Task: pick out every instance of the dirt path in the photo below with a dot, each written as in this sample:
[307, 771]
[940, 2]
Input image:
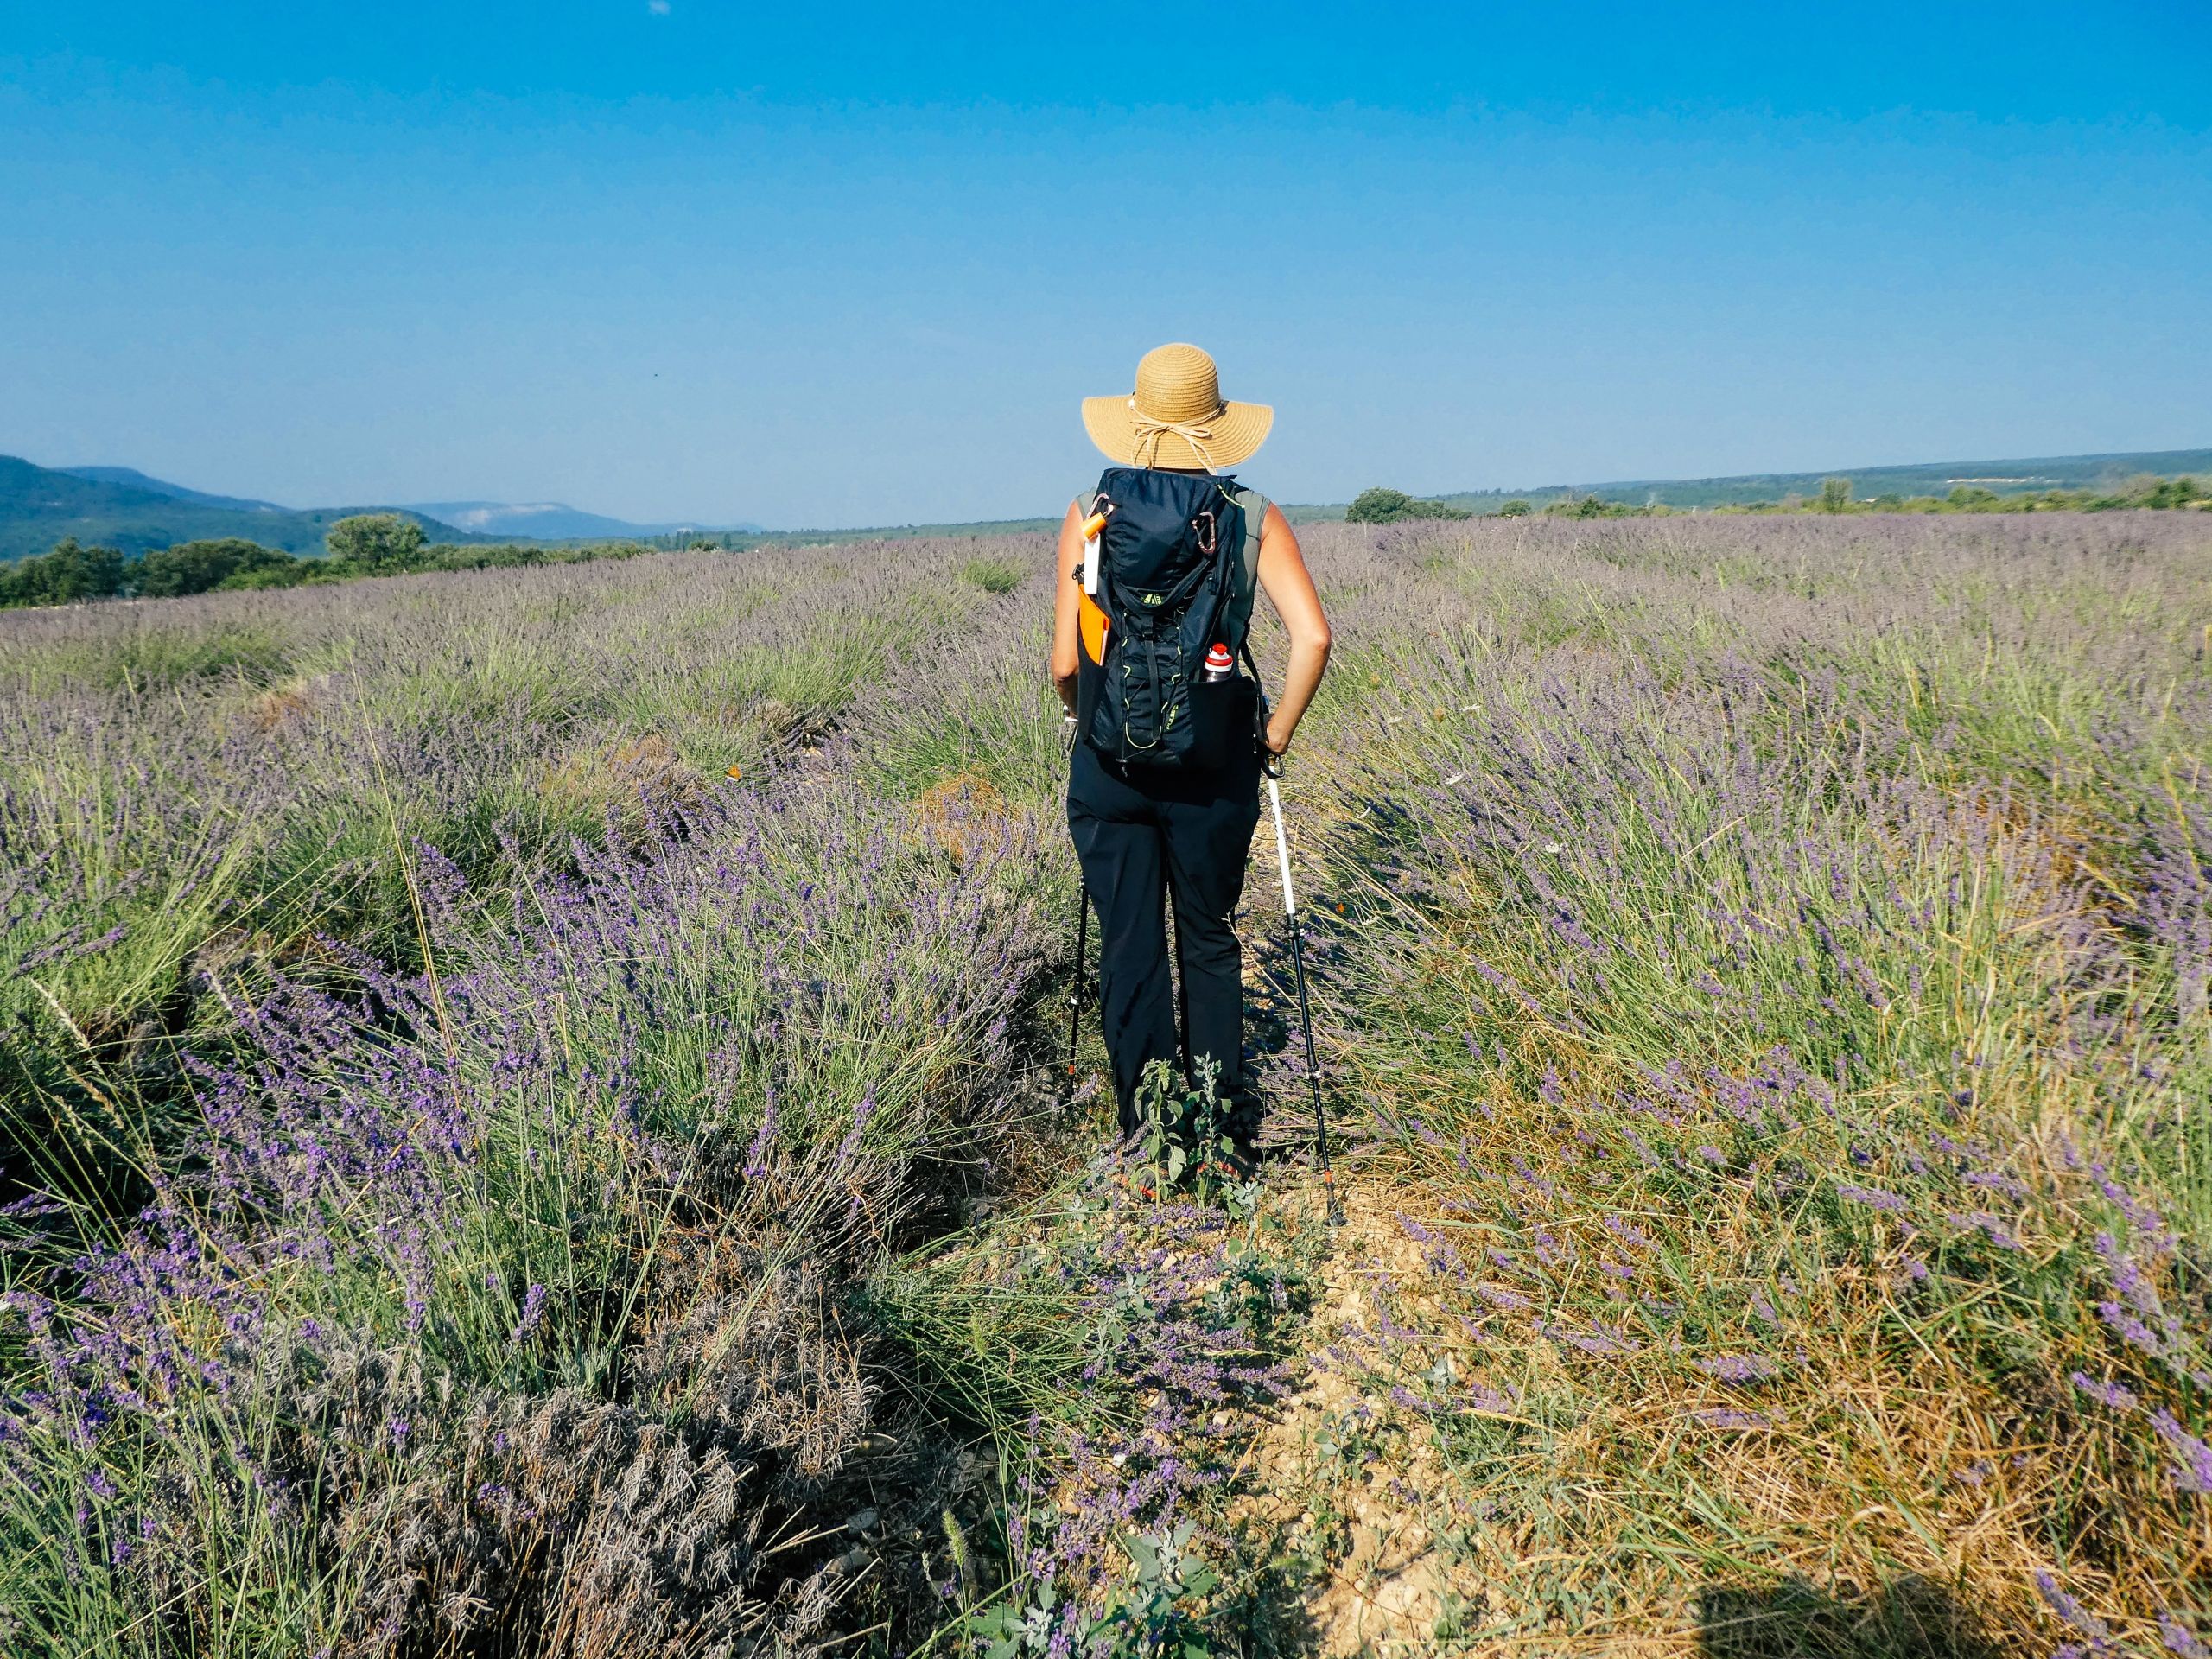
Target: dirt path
[1317, 1484]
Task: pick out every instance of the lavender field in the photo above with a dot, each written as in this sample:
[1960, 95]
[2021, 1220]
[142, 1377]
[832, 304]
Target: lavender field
[529, 1118]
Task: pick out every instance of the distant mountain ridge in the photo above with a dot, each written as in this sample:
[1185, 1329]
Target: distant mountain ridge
[551, 521]
[122, 507]
[132, 478]
[40, 506]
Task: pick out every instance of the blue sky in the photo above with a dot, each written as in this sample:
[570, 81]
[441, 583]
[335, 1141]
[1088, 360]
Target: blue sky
[854, 265]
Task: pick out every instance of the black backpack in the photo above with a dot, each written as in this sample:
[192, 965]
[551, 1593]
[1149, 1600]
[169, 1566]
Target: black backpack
[1174, 581]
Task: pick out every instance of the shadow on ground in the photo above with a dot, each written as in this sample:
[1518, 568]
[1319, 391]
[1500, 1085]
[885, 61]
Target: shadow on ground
[1911, 1618]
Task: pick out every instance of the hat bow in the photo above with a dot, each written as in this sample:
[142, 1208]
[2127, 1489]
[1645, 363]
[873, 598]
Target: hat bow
[1148, 429]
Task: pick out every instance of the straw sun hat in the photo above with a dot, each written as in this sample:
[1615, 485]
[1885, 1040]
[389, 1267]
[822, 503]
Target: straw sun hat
[1176, 416]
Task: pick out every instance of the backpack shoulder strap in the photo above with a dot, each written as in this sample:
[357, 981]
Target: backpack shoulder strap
[1255, 518]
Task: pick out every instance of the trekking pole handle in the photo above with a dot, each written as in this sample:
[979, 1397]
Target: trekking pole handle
[1283, 846]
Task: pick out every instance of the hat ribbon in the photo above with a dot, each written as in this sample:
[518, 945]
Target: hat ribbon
[1149, 431]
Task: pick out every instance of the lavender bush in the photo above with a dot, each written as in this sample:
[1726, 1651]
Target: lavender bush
[1787, 1006]
[205, 786]
[610, 1157]
[481, 1177]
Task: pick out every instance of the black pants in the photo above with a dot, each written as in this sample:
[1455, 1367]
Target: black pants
[1143, 837]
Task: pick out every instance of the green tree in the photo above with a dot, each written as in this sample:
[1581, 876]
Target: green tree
[1589, 506]
[1516, 508]
[376, 544]
[69, 573]
[1377, 506]
[1835, 494]
[1381, 506]
[197, 567]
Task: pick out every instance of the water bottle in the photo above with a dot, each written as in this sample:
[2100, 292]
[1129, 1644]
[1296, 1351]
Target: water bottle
[1219, 665]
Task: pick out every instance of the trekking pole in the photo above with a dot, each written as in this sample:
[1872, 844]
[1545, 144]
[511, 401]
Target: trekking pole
[1075, 989]
[1082, 943]
[1274, 769]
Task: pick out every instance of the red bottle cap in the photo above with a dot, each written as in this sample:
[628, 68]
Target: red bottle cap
[1217, 658]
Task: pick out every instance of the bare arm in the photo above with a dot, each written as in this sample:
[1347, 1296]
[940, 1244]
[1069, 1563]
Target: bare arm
[1289, 588]
[1283, 577]
[1065, 617]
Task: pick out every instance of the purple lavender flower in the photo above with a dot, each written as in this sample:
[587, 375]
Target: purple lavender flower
[1731, 1417]
[863, 1114]
[1872, 1197]
[2128, 1278]
[533, 1310]
[1482, 1398]
[2069, 1609]
[2131, 1330]
[1736, 1368]
[2105, 1394]
[2180, 1639]
[1989, 1226]
[2193, 1473]
[1601, 1340]
[1628, 1232]
[2141, 1216]
[756, 1157]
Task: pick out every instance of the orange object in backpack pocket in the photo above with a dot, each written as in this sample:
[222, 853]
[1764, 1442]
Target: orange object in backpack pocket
[1093, 627]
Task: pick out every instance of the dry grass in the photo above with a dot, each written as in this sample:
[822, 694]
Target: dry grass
[963, 815]
[1611, 830]
[646, 774]
[1558, 1524]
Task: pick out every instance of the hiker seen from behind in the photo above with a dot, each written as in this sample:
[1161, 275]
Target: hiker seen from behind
[1159, 568]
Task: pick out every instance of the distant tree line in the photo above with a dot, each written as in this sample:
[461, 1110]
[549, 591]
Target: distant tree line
[367, 545]
[1383, 506]
[2148, 491]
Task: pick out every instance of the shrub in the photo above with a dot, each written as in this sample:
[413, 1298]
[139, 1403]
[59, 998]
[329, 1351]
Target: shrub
[199, 567]
[992, 575]
[1588, 506]
[376, 544]
[1381, 506]
[68, 573]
